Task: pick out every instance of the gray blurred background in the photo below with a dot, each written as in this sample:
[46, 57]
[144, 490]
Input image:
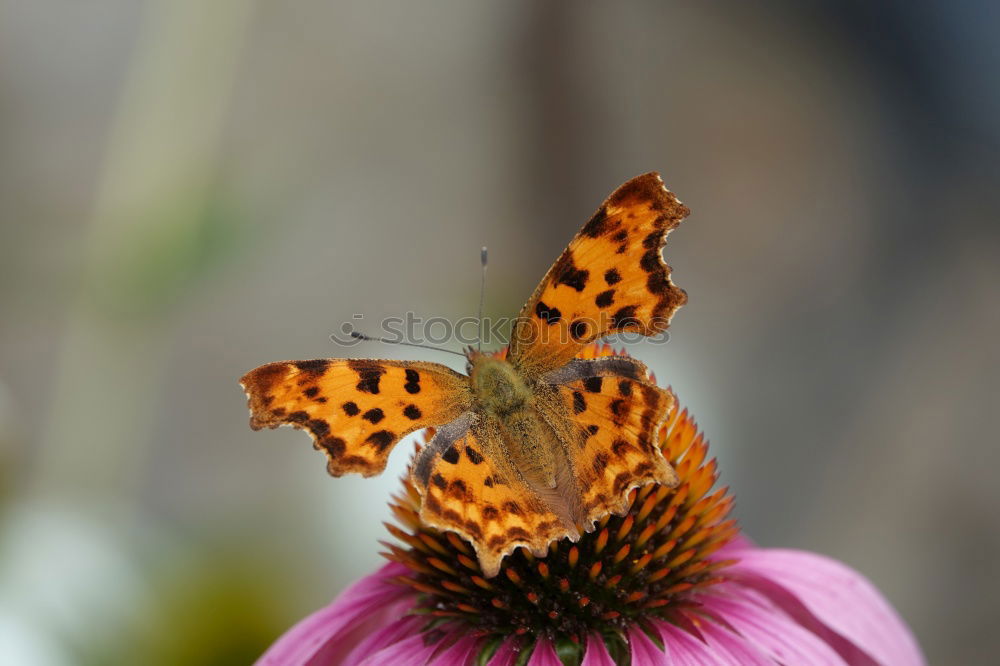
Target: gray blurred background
[190, 189]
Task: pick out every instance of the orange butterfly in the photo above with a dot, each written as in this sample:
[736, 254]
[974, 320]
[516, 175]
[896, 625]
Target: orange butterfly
[532, 447]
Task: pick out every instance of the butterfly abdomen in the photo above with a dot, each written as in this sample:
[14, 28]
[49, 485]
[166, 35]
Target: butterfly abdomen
[530, 444]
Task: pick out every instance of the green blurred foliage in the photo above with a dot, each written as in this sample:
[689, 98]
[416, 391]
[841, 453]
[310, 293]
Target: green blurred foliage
[167, 256]
[218, 607]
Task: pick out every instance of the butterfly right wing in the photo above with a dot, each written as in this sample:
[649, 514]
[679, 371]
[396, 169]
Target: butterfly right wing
[615, 418]
[355, 409]
[610, 279]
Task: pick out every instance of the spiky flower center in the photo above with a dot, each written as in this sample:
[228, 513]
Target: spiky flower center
[650, 563]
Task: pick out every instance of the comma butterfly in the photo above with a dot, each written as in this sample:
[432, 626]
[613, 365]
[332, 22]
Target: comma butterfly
[532, 446]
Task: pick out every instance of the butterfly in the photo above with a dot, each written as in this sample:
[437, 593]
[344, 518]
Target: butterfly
[531, 446]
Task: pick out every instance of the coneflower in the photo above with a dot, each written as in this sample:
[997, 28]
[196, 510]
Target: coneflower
[671, 581]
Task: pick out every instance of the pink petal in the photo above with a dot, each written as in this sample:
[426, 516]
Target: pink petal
[335, 651]
[768, 628]
[506, 653]
[356, 605]
[544, 654]
[737, 649]
[459, 654]
[738, 542]
[683, 649]
[839, 597]
[412, 651]
[644, 651]
[597, 653]
[392, 633]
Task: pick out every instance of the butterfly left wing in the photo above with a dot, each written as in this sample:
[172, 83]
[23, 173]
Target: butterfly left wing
[468, 486]
[611, 278]
[355, 409]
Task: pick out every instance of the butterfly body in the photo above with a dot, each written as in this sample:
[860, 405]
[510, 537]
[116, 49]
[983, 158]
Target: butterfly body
[531, 446]
[526, 435]
[498, 387]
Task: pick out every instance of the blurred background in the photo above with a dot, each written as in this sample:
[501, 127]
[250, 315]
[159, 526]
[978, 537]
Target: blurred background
[191, 189]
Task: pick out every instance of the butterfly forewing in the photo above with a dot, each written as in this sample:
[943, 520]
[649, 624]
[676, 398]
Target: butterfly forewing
[355, 410]
[611, 278]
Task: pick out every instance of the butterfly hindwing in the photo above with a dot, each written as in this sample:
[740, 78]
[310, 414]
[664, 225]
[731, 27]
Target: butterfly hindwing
[617, 414]
[610, 279]
[469, 487]
[355, 410]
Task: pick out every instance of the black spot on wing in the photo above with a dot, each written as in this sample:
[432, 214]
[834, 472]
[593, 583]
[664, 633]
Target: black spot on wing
[620, 447]
[612, 277]
[653, 239]
[593, 384]
[605, 298]
[643, 470]
[451, 455]
[624, 317]
[311, 392]
[619, 408]
[644, 439]
[651, 395]
[650, 261]
[351, 408]
[548, 315]
[334, 445]
[373, 415]
[472, 527]
[515, 533]
[597, 226]
[657, 283]
[315, 367]
[369, 375]
[474, 456]
[412, 384]
[579, 329]
[513, 507]
[568, 274]
[412, 412]
[318, 427]
[381, 439]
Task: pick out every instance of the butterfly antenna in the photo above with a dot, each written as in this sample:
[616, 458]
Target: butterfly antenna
[482, 298]
[368, 338]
